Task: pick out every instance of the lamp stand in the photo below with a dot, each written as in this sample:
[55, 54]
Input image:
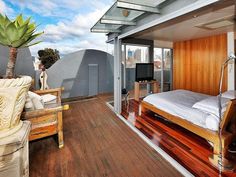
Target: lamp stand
[220, 162]
[217, 159]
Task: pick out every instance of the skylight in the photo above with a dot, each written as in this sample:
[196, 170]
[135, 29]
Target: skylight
[124, 13]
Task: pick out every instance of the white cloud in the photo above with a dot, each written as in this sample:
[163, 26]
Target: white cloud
[4, 9]
[44, 8]
[69, 36]
[78, 27]
[75, 18]
[94, 42]
[62, 8]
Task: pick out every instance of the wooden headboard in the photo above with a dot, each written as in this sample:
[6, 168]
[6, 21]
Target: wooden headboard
[197, 64]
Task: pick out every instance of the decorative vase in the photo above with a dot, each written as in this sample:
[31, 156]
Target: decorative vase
[12, 100]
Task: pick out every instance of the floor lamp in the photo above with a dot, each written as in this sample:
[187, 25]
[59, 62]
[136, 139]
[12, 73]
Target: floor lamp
[219, 161]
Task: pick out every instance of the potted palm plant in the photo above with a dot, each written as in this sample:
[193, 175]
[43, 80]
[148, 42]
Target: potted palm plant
[15, 34]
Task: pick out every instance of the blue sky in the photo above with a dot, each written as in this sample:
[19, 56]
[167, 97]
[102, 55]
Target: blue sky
[66, 23]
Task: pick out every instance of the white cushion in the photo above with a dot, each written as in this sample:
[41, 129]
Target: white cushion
[231, 94]
[29, 104]
[210, 105]
[34, 95]
[49, 98]
[37, 103]
[36, 100]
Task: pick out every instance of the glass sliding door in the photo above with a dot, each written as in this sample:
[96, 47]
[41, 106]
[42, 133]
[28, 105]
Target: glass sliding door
[163, 68]
[158, 64]
[167, 70]
[132, 54]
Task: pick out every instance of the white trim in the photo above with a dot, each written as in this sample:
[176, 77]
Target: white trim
[117, 75]
[197, 5]
[166, 156]
[97, 30]
[124, 69]
[138, 7]
[231, 66]
[135, 45]
[117, 22]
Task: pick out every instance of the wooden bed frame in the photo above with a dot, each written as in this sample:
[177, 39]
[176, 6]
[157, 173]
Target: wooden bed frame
[228, 125]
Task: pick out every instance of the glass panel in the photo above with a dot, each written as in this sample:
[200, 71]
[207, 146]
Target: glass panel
[122, 14]
[145, 3]
[134, 54]
[115, 13]
[157, 64]
[106, 26]
[163, 68]
[167, 70]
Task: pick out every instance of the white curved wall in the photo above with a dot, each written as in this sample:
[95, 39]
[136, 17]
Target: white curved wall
[24, 63]
[71, 72]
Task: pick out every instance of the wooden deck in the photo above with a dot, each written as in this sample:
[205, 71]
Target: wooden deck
[188, 149]
[97, 144]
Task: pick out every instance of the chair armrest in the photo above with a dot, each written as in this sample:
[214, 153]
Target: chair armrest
[42, 112]
[49, 91]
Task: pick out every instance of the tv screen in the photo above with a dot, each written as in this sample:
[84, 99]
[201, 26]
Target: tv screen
[144, 71]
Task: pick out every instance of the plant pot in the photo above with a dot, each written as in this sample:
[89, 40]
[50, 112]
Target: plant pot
[12, 100]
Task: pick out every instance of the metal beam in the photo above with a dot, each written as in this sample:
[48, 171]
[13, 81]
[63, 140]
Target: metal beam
[117, 75]
[137, 7]
[117, 22]
[96, 30]
[158, 2]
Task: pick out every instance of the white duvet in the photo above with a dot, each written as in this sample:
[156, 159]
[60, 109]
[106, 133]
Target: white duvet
[179, 103]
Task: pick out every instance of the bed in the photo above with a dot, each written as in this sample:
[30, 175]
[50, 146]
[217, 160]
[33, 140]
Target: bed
[182, 107]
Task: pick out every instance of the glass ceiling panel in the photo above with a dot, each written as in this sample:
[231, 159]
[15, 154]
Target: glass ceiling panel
[152, 3]
[121, 14]
[125, 13]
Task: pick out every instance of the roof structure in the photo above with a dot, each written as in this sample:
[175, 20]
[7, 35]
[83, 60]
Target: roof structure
[125, 13]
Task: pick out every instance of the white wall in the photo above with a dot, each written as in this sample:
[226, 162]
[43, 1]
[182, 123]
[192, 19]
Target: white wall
[231, 66]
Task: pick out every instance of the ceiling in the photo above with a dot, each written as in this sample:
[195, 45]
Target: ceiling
[185, 28]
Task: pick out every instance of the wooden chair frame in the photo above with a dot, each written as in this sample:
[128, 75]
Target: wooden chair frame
[45, 116]
[228, 124]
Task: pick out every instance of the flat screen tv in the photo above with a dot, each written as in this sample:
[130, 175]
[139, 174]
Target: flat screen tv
[144, 72]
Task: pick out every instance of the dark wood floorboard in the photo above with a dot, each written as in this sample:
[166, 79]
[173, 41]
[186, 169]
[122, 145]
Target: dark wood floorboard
[97, 144]
[188, 149]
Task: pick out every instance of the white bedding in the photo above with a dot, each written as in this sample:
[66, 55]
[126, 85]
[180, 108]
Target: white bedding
[211, 105]
[179, 103]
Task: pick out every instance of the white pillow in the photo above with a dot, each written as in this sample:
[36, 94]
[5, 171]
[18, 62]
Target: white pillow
[37, 103]
[210, 105]
[34, 95]
[37, 100]
[29, 104]
[48, 98]
[231, 94]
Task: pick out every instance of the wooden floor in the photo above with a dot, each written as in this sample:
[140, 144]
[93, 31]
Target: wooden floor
[188, 149]
[97, 144]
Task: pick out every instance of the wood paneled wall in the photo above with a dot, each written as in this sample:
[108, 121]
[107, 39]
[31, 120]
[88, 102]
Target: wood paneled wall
[197, 64]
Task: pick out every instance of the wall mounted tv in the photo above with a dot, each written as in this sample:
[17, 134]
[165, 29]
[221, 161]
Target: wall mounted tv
[144, 72]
